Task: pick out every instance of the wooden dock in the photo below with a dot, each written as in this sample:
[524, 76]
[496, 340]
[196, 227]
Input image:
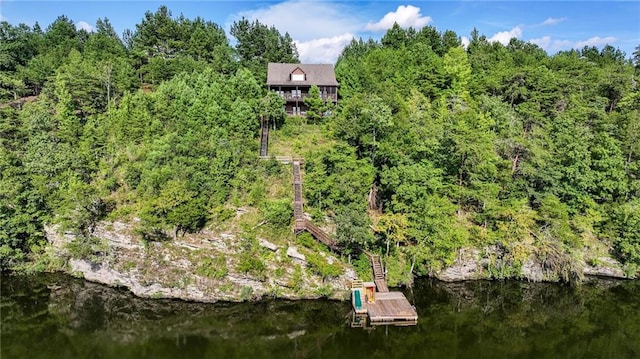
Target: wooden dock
[391, 308]
[377, 303]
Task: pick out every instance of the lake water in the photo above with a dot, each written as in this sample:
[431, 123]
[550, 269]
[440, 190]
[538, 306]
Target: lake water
[55, 316]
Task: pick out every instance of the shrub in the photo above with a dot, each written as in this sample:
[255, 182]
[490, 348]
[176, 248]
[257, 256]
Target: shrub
[246, 293]
[363, 267]
[86, 248]
[212, 268]
[321, 267]
[251, 264]
[278, 212]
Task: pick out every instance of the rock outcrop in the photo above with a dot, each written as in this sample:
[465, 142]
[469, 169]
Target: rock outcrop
[210, 267]
[204, 267]
[472, 264]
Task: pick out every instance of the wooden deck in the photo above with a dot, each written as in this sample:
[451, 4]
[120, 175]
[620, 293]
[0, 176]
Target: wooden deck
[391, 308]
[381, 285]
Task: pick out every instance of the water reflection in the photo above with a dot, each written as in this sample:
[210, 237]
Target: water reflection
[60, 317]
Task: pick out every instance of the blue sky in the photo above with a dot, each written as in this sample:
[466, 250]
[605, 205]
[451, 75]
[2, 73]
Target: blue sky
[322, 28]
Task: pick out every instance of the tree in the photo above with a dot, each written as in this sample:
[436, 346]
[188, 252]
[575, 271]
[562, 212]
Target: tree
[393, 228]
[258, 44]
[104, 43]
[273, 108]
[316, 106]
[396, 37]
[164, 46]
[18, 44]
[60, 38]
[458, 71]
[83, 81]
[363, 122]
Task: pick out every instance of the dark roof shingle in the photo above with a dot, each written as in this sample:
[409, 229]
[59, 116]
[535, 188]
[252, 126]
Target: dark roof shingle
[317, 74]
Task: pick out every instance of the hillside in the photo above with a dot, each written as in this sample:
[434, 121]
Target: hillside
[496, 161]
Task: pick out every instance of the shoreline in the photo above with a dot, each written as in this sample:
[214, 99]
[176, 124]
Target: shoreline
[208, 267]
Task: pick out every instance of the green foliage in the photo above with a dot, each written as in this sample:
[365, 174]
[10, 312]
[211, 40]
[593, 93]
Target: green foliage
[258, 44]
[246, 293]
[398, 271]
[222, 214]
[492, 145]
[297, 279]
[89, 248]
[353, 228]
[362, 266]
[624, 232]
[272, 108]
[316, 107]
[495, 145]
[251, 264]
[320, 266]
[306, 240]
[278, 212]
[212, 267]
[325, 291]
[335, 178]
[163, 46]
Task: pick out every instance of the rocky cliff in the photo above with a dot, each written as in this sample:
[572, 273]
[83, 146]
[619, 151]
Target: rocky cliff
[204, 267]
[210, 267]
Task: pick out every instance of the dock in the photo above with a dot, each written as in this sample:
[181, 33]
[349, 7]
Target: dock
[377, 303]
[391, 308]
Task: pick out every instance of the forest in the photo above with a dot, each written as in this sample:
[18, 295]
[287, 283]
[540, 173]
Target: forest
[433, 147]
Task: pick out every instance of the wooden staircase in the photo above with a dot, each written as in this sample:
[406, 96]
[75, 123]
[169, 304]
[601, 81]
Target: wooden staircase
[264, 139]
[320, 235]
[378, 272]
[301, 224]
[298, 212]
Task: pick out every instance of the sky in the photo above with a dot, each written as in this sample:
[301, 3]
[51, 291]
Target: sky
[322, 28]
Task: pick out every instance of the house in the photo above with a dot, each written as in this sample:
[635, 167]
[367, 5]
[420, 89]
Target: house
[293, 82]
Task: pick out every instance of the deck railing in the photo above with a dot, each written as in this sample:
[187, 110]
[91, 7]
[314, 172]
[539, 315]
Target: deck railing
[299, 97]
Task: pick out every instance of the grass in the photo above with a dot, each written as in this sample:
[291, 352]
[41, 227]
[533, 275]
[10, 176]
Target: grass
[296, 137]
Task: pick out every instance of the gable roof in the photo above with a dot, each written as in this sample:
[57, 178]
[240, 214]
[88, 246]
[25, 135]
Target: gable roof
[316, 74]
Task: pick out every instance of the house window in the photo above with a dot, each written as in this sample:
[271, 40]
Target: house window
[297, 75]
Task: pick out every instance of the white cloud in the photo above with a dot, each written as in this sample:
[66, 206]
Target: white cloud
[561, 44]
[465, 41]
[405, 16]
[2, 18]
[595, 41]
[503, 37]
[549, 44]
[84, 26]
[305, 20]
[553, 21]
[543, 42]
[323, 50]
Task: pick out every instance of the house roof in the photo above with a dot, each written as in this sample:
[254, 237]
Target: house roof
[316, 74]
